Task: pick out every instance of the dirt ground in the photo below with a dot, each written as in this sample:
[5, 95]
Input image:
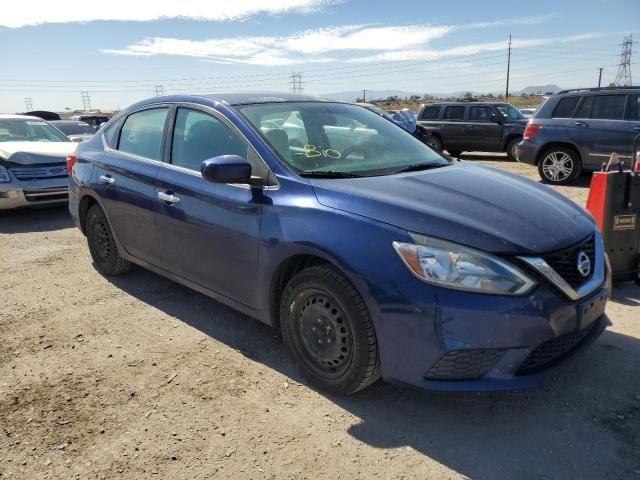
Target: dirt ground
[138, 377]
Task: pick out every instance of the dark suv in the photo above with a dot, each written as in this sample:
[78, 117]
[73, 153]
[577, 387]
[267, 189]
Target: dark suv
[473, 126]
[577, 130]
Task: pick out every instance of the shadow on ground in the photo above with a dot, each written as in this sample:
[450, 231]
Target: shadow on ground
[35, 220]
[585, 423]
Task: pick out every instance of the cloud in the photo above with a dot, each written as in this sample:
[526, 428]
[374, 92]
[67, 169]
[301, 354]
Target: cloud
[37, 12]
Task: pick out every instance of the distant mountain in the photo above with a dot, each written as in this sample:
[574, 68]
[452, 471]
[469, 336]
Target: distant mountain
[540, 89]
[371, 95]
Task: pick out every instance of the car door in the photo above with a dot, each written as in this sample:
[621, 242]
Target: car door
[632, 116]
[209, 232]
[453, 127]
[124, 178]
[599, 128]
[481, 131]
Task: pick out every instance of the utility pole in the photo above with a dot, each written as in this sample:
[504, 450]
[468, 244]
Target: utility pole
[623, 77]
[296, 82]
[159, 90]
[86, 101]
[600, 77]
[506, 93]
[364, 95]
[28, 104]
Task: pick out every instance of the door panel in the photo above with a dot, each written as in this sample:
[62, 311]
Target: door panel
[453, 126]
[480, 132]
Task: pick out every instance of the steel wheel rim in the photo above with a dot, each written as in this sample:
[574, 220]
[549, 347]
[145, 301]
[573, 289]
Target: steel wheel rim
[325, 336]
[557, 166]
[513, 150]
[101, 240]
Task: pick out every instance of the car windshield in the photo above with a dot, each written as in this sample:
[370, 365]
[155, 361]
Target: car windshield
[510, 112]
[338, 139]
[29, 130]
[78, 128]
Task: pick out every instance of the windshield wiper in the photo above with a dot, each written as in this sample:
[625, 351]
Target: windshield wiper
[418, 166]
[329, 174]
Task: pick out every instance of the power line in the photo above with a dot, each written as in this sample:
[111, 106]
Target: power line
[506, 93]
[623, 77]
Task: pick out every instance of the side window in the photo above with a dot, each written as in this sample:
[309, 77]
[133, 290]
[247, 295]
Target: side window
[480, 114]
[431, 113]
[198, 136]
[585, 107]
[632, 112]
[111, 134]
[142, 133]
[608, 107]
[565, 107]
[454, 113]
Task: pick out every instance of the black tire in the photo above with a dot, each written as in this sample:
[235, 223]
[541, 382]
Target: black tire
[564, 157]
[328, 331]
[511, 154]
[436, 143]
[454, 153]
[102, 246]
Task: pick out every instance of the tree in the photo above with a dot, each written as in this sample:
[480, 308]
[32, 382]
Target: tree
[468, 95]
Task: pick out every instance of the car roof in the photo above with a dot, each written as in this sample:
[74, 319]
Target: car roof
[437, 104]
[236, 98]
[61, 122]
[7, 116]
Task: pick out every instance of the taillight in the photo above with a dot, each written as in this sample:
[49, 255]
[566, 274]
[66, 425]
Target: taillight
[530, 131]
[71, 161]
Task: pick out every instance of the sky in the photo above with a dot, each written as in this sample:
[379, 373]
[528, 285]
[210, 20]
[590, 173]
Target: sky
[124, 51]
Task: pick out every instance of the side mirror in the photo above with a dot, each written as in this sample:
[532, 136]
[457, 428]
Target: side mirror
[226, 169]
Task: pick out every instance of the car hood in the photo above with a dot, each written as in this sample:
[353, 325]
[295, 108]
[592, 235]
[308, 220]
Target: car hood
[29, 153]
[478, 206]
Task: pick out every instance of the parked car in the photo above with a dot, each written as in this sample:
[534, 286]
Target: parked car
[372, 253]
[578, 130]
[33, 157]
[473, 126]
[404, 118]
[74, 130]
[527, 112]
[94, 120]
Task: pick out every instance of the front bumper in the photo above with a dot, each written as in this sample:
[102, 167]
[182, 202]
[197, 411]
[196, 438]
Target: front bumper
[33, 193]
[465, 341]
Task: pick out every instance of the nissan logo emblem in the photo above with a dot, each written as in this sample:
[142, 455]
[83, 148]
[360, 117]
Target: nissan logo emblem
[583, 264]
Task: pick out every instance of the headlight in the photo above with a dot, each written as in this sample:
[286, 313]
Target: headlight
[455, 266]
[4, 175]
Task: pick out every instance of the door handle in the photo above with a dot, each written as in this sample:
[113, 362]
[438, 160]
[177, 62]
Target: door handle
[168, 197]
[581, 124]
[636, 129]
[107, 179]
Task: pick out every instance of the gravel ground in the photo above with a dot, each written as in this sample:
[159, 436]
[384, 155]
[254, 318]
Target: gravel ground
[138, 377]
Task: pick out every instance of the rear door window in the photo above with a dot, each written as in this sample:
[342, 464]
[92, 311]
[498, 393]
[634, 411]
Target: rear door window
[608, 107]
[632, 112]
[431, 113]
[142, 133]
[565, 107]
[454, 112]
[585, 107]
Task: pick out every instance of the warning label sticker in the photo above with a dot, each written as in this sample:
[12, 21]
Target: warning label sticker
[624, 222]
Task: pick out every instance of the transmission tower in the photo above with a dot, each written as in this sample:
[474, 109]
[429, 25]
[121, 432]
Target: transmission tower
[28, 104]
[86, 101]
[159, 90]
[623, 77]
[296, 82]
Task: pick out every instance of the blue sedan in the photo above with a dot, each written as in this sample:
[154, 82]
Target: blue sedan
[374, 255]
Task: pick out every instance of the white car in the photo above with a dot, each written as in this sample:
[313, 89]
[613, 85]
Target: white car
[33, 169]
[528, 112]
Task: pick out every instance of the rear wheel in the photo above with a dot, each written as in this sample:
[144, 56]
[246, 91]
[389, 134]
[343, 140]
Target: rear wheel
[559, 166]
[511, 149]
[436, 143]
[328, 332]
[102, 245]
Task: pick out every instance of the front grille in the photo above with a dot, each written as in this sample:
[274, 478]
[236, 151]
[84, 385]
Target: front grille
[548, 353]
[464, 364]
[46, 195]
[40, 172]
[565, 261]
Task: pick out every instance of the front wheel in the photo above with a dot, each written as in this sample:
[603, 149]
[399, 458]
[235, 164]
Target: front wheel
[511, 149]
[328, 331]
[102, 246]
[559, 166]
